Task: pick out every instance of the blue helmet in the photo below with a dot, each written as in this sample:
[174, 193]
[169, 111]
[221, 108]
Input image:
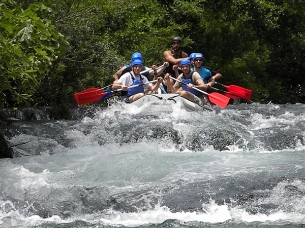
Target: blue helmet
[136, 55]
[198, 56]
[185, 62]
[136, 62]
[192, 56]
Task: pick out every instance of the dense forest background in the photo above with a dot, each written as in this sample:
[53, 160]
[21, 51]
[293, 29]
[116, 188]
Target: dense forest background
[50, 49]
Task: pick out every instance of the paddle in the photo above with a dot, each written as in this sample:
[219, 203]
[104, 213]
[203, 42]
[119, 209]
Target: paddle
[89, 95]
[228, 94]
[93, 94]
[216, 98]
[238, 91]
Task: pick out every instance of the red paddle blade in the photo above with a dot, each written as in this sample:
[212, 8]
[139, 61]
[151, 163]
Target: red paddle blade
[233, 96]
[218, 99]
[88, 96]
[239, 91]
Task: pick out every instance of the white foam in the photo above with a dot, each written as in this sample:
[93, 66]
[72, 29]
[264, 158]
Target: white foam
[158, 215]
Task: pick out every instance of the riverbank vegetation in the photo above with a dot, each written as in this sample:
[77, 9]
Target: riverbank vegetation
[51, 49]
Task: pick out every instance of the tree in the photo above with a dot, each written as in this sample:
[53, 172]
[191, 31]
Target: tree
[255, 44]
[29, 45]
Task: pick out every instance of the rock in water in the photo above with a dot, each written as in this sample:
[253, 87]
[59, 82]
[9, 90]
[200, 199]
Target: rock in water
[5, 149]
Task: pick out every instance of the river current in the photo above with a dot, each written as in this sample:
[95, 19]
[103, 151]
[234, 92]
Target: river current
[124, 166]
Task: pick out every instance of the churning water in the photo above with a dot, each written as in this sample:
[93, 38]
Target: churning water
[123, 166]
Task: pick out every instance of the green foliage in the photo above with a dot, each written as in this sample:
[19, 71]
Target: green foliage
[255, 44]
[143, 26]
[89, 61]
[29, 45]
[102, 38]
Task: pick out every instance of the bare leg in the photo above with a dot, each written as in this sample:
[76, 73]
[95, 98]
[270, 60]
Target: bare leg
[135, 97]
[191, 97]
[186, 95]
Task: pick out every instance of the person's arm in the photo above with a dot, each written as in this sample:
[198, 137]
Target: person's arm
[121, 83]
[154, 72]
[215, 76]
[157, 70]
[117, 74]
[117, 85]
[199, 84]
[156, 85]
[170, 87]
[169, 58]
[161, 69]
[184, 55]
[175, 68]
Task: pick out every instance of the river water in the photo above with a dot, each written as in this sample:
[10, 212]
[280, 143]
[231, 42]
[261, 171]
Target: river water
[123, 166]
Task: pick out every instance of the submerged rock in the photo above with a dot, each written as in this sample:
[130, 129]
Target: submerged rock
[5, 149]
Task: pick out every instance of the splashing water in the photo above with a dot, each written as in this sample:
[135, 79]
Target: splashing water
[136, 167]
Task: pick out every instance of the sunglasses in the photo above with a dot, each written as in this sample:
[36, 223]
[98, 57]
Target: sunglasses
[198, 60]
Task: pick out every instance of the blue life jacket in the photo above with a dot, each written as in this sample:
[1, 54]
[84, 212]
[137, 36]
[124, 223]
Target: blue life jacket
[138, 89]
[205, 74]
[186, 81]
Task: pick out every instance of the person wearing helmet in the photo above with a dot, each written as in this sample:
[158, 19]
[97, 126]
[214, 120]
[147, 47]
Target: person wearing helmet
[191, 58]
[190, 80]
[127, 68]
[135, 77]
[174, 55]
[136, 55]
[208, 76]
